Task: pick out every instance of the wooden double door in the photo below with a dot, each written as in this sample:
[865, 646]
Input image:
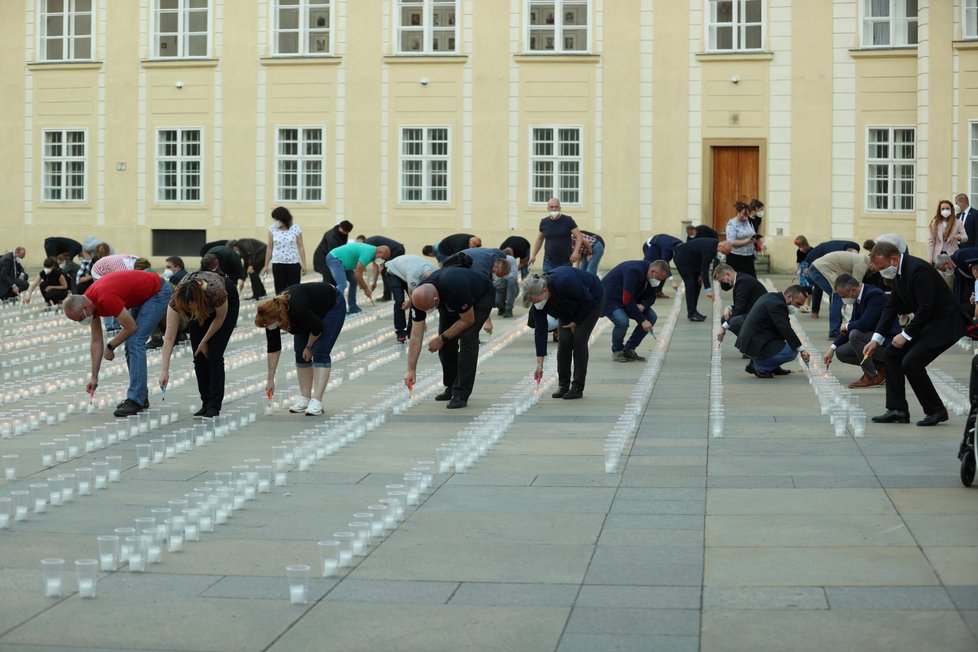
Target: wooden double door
[736, 174]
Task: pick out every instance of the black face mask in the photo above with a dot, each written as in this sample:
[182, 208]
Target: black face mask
[726, 287]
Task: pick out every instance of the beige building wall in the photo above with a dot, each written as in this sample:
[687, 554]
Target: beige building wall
[650, 100]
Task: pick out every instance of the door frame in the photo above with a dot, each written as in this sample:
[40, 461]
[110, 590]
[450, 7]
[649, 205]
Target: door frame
[706, 192]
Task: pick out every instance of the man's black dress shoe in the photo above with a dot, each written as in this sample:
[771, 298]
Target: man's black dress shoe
[572, 393]
[560, 392]
[445, 396]
[697, 317]
[750, 367]
[780, 371]
[456, 402]
[933, 419]
[893, 416]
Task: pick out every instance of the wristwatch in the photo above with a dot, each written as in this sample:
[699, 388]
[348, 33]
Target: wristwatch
[110, 346]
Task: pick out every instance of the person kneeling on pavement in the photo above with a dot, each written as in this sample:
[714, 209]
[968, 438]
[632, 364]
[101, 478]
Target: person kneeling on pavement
[767, 337]
[867, 303]
[630, 289]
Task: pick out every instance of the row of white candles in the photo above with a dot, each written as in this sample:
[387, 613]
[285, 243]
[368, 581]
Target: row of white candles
[716, 369]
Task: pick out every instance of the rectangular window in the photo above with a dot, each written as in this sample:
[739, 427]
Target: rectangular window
[64, 165]
[970, 19]
[555, 164]
[178, 242]
[735, 25]
[889, 23]
[179, 165]
[891, 168]
[426, 27]
[973, 165]
[425, 158]
[66, 30]
[303, 27]
[299, 162]
[558, 26]
[181, 29]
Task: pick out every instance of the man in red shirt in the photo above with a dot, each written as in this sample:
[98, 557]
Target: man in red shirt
[138, 300]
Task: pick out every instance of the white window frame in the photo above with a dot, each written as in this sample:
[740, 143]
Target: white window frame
[535, 11]
[419, 35]
[311, 40]
[181, 161]
[738, 26]
[426, 158]
[896, 21]
[556, 189]
[972, 161]
[969, 19]
[69, 37]
[891, 197]
[183, 9]
[61, 191]
[303, 164]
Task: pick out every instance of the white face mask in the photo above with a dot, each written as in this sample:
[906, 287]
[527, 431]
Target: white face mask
[86, 320]
[539, 305]
[378, 261]
[848, 301]
[721, 257]
[48, 270]
[554, 214]
[272, 327]
[889, 273]
[760, 213]
[655, 283]
[792, 310]
[945, 212]
[168, 273]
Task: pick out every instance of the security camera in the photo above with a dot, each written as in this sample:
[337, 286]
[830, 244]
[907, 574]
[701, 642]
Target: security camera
[179, 84]
[423, 81]
[735, 79]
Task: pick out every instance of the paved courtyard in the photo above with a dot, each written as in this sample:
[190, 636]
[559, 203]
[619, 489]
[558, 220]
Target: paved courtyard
[777, 535]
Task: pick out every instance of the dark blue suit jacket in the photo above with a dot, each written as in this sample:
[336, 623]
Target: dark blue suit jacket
[626, 286]
[574, 293]
[866, 314]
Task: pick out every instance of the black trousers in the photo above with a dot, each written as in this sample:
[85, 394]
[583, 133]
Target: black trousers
[573, 347]
[460, 356]
[397, 288]
[257, 287]
[286, 274]
[692, 292]
[742, 264]
[735, 322]
[909, 364]
[210, 370]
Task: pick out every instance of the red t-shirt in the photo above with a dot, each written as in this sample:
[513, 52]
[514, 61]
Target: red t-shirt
[122, 289]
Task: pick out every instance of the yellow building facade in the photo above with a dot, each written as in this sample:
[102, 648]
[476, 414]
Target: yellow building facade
[158, 124]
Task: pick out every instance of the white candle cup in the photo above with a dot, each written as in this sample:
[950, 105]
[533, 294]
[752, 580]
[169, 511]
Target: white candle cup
[55, 490]
[6, 512]
[61, 449]
[85, 477]
[137, 556]
[329, 557]
[68, 487]
[298, 583]
[86, 575]
[39, 497]
[281, 478]
[346, 540]
[10, 467]
[176, 535]
[108, 552]
[143, 454]
[264, 472]
[74, 445]
[53, 571]
[115, 467]
[101, 472]
[22, 501]
[47, 454]
[158, 450]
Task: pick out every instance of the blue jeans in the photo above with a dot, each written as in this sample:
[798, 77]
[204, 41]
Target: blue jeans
[338, 272]
[597, 250]
[835, 304]
[506, 290]
[786, 354]
[620, 319]
[147, 316]
[332, 324]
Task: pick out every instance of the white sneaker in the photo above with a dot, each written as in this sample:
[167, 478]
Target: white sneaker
[315, 408]
[300, 405]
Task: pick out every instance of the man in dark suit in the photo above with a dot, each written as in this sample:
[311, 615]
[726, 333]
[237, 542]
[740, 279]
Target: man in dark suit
[629, 292]
[335, 237]
[938, 322]
[867, 303]
[693, 259]
[968, 215]
[746, 291]
[767, 336]
[252, 252]
[961, 262]
[660, 247]
[700, 231]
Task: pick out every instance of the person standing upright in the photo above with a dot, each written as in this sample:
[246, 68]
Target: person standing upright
[285, 251]
[742, 237]
[561, 236]
[946, 232]
[968, 215]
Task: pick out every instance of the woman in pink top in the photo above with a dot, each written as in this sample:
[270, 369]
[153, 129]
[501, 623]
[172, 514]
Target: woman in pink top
[946, 231]
[116, 263]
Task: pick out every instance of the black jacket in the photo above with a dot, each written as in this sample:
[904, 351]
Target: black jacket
[919, 289]
[746, 291]
[331, 240]
[767, 328]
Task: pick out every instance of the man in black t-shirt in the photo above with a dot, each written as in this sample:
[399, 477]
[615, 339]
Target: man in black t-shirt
[464, 299]
[562, 237]
[519, 248]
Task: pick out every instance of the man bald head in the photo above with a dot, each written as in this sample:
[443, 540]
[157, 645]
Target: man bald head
[425, 297]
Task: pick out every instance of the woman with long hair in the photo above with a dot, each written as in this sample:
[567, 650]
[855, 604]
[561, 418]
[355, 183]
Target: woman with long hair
[314, 314]
[210, 301]
[946, 231]
[285, 254]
